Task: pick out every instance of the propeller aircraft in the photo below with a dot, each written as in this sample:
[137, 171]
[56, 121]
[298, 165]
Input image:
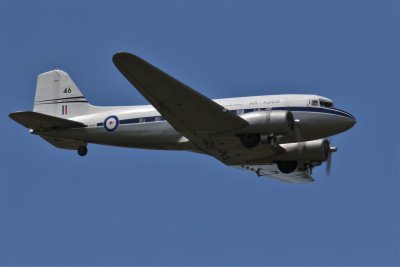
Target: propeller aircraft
[280, 136]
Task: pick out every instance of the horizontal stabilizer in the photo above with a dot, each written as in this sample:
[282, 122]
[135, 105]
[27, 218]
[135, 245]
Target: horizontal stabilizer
[64, 143]
[39, 122]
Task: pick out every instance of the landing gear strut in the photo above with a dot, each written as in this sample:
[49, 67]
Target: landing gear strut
[82, 151]
[270, 139]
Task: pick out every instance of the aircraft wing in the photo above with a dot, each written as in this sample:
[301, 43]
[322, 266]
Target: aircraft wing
[271, 170]
[193, 115]
[185, 109]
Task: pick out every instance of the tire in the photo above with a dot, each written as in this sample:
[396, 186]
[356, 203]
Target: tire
[82, 151]
[250, 140]
[287, 166]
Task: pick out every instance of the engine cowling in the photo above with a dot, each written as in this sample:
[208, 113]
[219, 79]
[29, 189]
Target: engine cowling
[316, 150]
[269, 122]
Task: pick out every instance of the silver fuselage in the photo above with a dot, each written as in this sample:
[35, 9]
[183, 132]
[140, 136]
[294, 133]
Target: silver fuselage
[144, 127]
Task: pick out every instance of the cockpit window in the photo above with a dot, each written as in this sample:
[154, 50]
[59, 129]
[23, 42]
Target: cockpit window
[326, 104]
[314, 103]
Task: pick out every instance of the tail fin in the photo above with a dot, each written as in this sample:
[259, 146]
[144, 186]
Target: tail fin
[57, 95]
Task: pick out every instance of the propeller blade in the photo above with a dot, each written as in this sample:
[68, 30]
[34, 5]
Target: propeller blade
[331, 150]
[329, 164]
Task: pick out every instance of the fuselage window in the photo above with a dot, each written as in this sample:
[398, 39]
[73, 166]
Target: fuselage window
[314, 103]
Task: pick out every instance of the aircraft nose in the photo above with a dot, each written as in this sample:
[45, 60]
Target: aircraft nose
[328, 123]
[349, 122]
[345, 122]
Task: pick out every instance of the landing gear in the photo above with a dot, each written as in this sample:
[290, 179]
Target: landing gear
[250, 140]
[307, 167]
[271, 139]
[82, 151]
[287, 166]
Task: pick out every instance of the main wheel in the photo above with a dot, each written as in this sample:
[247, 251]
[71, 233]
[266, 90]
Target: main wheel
[287, 166]
[82, 151]
[250, 140]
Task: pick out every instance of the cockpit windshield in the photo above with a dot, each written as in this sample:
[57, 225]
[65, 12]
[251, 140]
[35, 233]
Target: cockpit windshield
[321, 103]
[325, 103]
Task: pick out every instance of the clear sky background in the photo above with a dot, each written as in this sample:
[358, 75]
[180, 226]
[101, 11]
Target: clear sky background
[121, 206]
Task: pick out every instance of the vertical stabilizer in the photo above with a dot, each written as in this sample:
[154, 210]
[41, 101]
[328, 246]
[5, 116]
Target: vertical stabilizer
[57, 95]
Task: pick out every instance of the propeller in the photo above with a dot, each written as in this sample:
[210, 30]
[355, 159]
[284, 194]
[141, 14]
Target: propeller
[329, 149]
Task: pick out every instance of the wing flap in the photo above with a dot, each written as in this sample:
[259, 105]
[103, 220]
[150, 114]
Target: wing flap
[39, 122]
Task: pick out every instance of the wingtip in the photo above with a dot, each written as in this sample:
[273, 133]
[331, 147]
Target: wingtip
[120, 52]
[118, 55]
[123, 57]
[14, 114]
[122, 60]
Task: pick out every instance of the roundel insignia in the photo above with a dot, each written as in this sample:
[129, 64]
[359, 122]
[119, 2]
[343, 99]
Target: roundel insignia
[111, 123]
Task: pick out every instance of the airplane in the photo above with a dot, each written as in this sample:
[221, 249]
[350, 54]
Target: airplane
[279, 136]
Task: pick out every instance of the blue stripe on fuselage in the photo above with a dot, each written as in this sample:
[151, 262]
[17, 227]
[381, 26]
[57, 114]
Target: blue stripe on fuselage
[317, 109]
[301, 109]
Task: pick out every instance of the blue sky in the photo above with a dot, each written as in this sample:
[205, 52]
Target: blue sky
[122, 206]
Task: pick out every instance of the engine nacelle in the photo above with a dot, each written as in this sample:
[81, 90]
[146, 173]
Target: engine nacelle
[269, 122]
[316, 150]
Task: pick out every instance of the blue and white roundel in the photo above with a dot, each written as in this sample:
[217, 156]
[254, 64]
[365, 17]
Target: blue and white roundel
[111, 123]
